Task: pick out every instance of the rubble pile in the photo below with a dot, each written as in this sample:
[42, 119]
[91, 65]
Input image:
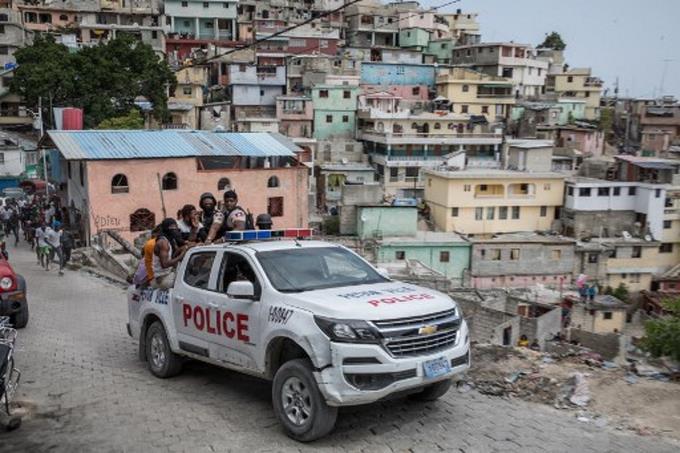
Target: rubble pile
[579, 380]
[559, 378]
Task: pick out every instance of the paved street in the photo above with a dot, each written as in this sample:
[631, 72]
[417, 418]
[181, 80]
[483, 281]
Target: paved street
[87, 391]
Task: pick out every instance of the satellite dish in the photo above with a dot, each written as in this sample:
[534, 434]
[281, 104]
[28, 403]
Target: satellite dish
[626, 235]
[648, 238]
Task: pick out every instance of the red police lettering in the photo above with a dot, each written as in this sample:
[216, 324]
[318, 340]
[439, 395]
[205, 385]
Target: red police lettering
[406, 298]
[199, 321]
[242, 327]
[228, 316]
[217, 323]
[186, 313]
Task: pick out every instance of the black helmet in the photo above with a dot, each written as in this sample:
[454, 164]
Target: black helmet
[207, 195]
[264, 221]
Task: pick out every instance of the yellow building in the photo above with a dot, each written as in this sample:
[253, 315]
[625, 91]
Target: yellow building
[188, 97]
[476, 93]
[631, 261]
[606, 314]
[669, 250]
[577, 83]
[484, 201]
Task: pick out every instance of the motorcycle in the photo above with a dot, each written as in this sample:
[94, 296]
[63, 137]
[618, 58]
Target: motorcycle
[9, 375]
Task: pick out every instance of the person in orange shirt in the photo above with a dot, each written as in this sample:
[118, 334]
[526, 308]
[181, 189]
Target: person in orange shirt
[144, 274]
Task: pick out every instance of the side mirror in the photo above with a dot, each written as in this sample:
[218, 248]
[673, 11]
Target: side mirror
[241, 290]
[383, 272]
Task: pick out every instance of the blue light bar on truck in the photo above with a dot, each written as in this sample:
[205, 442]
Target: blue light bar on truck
[258, 235]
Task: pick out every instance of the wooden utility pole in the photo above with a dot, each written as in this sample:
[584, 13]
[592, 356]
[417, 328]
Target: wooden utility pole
[160, 189]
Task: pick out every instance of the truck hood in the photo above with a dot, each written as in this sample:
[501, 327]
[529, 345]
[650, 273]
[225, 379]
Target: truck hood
[374, 302]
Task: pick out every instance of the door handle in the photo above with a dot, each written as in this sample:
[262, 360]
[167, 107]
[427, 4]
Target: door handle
[212, 305]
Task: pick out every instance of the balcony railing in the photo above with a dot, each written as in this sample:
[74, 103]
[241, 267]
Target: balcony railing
[430, 135]
[495, 95]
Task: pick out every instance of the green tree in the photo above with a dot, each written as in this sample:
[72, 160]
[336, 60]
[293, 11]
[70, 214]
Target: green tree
[45, 70]
[104, 80]
[662, 336]
[553, 41]
[621, 292]
[133, 120]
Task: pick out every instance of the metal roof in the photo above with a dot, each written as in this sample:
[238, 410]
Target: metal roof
[150, 144]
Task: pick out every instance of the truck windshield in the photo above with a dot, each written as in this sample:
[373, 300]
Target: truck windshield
[307, 269]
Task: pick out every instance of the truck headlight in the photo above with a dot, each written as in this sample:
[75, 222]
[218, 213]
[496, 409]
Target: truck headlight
[6, 283]
[347, 331]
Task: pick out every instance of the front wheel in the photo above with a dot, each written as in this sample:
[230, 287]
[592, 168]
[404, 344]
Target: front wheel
[163, 363]
[299, 405]
[21, 317]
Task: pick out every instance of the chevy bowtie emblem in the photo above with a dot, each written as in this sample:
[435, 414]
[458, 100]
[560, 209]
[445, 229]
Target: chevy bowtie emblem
[427, 330]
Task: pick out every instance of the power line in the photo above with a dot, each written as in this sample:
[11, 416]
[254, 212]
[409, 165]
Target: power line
[268, 37]
[256, 42]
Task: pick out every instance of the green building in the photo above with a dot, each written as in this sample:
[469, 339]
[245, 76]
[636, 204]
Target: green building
[414, 38]
[386, 221]
[335, 109]
[441, 49]
[446, 253]
[395, 228]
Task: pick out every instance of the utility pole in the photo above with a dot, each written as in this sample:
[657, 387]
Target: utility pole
[44, 151]
[160, 189]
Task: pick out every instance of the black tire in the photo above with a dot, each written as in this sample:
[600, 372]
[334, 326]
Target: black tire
[162, 362]
[433, 391]
[20, 319]
[321, 417]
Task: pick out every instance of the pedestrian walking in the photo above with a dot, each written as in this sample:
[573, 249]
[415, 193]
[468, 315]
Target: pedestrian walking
[42, 249]
[53, 239]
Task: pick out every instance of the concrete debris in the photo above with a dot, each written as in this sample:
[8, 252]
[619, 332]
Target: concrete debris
[580, 395]
[573, 378]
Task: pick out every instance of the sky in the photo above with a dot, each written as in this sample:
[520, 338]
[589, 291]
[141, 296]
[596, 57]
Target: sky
[618, 38]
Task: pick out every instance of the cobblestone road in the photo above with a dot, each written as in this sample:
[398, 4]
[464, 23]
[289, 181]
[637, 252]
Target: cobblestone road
[87, 391]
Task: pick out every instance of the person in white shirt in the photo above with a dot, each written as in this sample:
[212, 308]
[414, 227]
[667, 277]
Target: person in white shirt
[42, 250]
[53, 239]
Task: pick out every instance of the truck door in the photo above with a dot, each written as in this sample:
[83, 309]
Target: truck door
[193, 303]
[240, 327]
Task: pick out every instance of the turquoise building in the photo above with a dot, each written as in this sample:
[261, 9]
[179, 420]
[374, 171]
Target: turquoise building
[335, 109]
[446, 253]
[414, 38]
[386, 221]
[395, 229]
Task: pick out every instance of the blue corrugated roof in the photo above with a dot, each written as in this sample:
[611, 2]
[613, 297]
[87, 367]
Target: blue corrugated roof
[145, 144]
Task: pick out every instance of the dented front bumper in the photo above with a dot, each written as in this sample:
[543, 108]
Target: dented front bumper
[365, 373]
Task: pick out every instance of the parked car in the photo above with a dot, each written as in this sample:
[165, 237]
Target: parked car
[314, 317]
[13, 301]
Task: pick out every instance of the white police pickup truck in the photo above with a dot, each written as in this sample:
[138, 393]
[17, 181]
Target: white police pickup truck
[328, 328]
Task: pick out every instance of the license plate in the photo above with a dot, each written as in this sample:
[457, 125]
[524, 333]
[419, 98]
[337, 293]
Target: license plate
[437, 367]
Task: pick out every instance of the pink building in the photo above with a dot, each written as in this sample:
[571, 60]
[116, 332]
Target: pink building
[123, 180]
[295, 115]
[590, 141]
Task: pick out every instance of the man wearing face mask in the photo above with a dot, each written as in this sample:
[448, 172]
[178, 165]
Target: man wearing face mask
[209, 214]
[164, 262]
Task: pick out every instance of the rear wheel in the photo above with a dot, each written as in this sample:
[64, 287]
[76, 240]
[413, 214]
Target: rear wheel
[298, 403]
[163, 363]
[433, 391]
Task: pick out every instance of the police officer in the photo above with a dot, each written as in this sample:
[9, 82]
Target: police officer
[264, 222]
[232, 218]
